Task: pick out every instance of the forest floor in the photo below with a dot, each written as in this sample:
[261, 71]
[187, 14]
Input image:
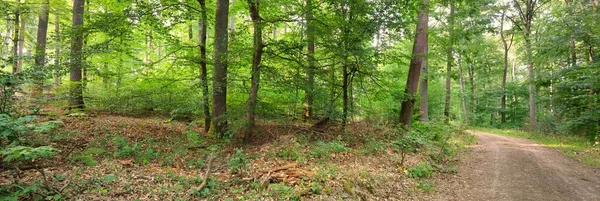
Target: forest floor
[508, 168]
[115, 157]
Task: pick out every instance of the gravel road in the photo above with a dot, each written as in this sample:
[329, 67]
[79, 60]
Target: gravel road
[507, 168]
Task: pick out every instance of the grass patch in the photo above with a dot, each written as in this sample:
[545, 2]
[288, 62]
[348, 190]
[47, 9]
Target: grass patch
[572, 146]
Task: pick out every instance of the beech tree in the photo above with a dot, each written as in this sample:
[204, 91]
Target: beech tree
[76, 86]
[219, 119]
[40, 54]
[416, 62]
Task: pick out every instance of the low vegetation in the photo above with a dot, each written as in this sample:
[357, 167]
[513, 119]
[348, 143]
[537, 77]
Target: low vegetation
[101, 156]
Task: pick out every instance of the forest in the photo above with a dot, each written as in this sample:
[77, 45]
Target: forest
[282, 99]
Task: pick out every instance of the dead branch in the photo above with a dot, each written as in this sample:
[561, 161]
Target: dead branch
[207, 173]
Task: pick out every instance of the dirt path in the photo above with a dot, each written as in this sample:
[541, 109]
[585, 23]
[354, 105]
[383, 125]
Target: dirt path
[506, 168]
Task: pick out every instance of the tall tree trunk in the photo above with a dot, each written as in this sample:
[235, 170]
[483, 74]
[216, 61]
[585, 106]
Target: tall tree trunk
[345, 72]
[232, 19]
[507, 47]
[527, 20]
[76, 91]
[449, 61]
[416, 62]
[15, 39]
[572, 41]
[220, 69]
[423, 90]
[202, 34]
[21, 44]
[256, 65]
[462, 91]
[472, 84]
[56, 70]
[310, 50]
[40, 50]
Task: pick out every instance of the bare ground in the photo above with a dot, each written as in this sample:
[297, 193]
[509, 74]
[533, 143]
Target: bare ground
[507, 168]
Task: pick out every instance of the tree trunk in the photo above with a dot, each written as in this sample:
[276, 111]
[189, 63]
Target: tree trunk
[449, 61]
[15, 39]
[416, 62]
[507, 47]
[232, 18]
[462, 91]
[76, 90]
[531, 81]
[472, 84]
[220, 69]
[423, 90]
[21, 44]
[310, 50]
[256, 65]
[56, 71]
[40, 54]
[202, 34]
[572, 41]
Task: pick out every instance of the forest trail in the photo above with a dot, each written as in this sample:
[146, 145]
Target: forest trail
[507, 168]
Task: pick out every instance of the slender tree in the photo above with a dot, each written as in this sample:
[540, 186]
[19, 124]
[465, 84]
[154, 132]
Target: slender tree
[254, 7]
[423, 90]
[219, 123]
[449, 61]
[526, 15]
[310, 51]
[76, 91]
[21, 43]
[507, 44]
[56, 73]
[462, 90]
[203, 71]
[418, 56]
[40, 54]
[15, 39]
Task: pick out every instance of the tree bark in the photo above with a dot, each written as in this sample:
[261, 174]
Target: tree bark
[15, 39]
[423, 90]
[21, 44]
[76, 88]
[507, 47]
[527, 19]
[219, 124]
[40, 55]
[462, 91]
[56, 71]
[310, 50]
[572, 42]
[416, 62]
[232, 18]
[256, 65]
[449, 61]
[202, 35]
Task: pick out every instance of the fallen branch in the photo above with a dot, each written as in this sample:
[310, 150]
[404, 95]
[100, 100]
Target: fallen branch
[207, 173]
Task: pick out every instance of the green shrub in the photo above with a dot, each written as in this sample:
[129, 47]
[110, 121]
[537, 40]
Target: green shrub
[421, 170]
[323, 149]
[238, 162]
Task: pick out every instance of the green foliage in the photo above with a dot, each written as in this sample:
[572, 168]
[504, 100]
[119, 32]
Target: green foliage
[325, 149]
[283, 192]
[292, 152]
[193, 138]
[123, 149]
[238, 162]
[22, 153]
[427, 186]
[421, 170]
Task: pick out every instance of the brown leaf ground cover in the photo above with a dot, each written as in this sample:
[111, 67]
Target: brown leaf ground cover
[105, 156]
